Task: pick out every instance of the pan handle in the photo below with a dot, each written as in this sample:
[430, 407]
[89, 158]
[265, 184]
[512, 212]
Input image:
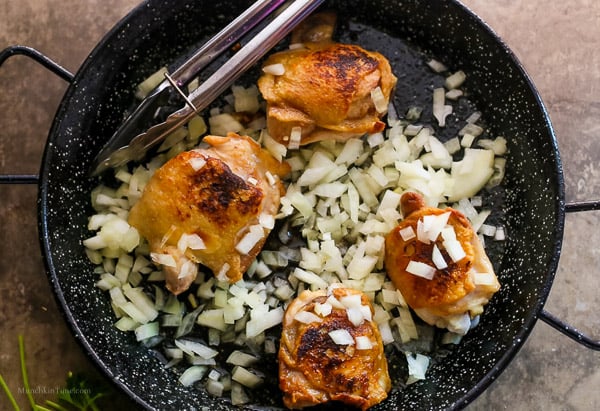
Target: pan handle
[50, 65]
[554, 321]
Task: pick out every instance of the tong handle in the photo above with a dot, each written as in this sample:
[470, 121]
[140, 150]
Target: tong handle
[219, 43]
[216, 84]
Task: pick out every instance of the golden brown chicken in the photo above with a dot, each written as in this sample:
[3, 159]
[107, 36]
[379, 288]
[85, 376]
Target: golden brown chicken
[325, 88]
[331, 350]
[437, 262]
[213, 205]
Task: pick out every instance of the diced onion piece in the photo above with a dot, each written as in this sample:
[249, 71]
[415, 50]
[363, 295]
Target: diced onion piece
[146, 331]
[341, 337]
[214, 387]
[454, 94]
[241, 358]
[487, 230]
[436, 66]
[266, 220]
[433, 224]
[422, 234]
[192, 374]
[335, 303]
[197, 163]
[460, 324]
[196, 348]
[379, 100]
[407, 233]
[245, 377]
[363, 343]
[455, 250]
[191, 241]
[387, 337]
[306, 317]
[255, 234]
[295, 138]
[274, 147]
[310, 278]
[188, 269]
[238, 394]
[351, 301]
[455, 80]
[323, 309]
[163, 259]
[265, 321]
[500, 234]
[417, 366]
[245, 99]
[440, 109]
[274, 69]
[421, 269]
[467, 140]
[355, 316]
[150, 83]
[438, 259]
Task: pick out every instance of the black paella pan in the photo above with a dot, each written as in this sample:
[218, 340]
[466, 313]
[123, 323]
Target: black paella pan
[531, 199]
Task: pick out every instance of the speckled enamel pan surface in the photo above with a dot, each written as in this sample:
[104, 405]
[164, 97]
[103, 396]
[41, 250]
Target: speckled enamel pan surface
[158, 32]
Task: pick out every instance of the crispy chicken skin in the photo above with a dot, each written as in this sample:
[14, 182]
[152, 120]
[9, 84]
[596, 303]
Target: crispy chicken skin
[326, 87]
[452, 292]
[217, 192]
[313, 369]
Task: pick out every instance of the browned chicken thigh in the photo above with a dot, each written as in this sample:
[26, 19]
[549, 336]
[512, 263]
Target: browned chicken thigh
[437, 262]
[213, 205]
[331, 350]
[325, 88]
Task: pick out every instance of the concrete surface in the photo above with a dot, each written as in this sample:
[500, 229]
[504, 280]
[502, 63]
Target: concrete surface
[558, 43]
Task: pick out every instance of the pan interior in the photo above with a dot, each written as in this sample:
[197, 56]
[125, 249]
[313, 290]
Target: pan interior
[407, 32]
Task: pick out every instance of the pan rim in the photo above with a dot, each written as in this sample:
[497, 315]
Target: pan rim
[474, 392]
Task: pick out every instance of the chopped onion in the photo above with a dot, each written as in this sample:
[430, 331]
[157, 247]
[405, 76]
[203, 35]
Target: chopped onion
[245, 377]
[274, 69]
[197, 163]
[433, 224]
[417, 366]
[355, 316]
[440, 109]
[438, 259]
[341, 337]
[196, 348]
[455, 80]
[306, 317]
[454, 94]
[421, 269]
[241, 358]
[192, 374]
[407, 233]
[255, 234]
[379, 100]
[145, 331]
[459, 324]
[500, 234]
[295, 138]
[323, 309]
[454, 250]
[437, 66]
[268, 320]
[363, 343]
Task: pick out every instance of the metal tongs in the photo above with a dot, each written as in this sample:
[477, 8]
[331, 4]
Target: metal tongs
[125, 145]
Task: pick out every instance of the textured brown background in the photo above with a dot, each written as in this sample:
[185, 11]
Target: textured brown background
[557, 42]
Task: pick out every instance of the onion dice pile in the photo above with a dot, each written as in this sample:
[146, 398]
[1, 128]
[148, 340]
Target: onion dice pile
[342, 199]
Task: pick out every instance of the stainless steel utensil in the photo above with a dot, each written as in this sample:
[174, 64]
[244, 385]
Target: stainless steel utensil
[124, 146]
